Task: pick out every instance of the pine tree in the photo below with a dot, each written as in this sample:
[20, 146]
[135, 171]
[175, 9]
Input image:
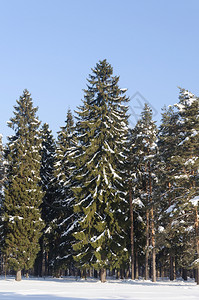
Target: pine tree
[101, 203]
[145, 151]
[23, 196]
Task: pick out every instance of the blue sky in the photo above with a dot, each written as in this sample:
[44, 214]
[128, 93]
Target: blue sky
[50, 46]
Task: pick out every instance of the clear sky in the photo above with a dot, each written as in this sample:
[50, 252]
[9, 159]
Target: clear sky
[50, 46]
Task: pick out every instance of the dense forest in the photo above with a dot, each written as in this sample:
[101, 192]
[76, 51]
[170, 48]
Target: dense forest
[103, 199]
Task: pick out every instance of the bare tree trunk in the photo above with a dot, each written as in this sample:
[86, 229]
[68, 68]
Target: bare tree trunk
[136, 266]
[5, 266]
[197, 244]
[103, 275]
[184, 274]
[153, 247]
[18, 275]
[46, 265]
[122, 273]
[127, 274]
[43, 266]
[147, 247]
[118, 274]
[132, 232]
[172, 267]
[152, 230]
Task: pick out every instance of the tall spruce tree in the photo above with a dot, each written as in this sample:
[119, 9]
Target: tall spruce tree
[101, 202]
[48, 187]
[168, 140]
[2, 169]
[185, 208]
[47, 171]
[136, 206]
[23, 196]
[145, 152]
[65, 220]
[2, 179]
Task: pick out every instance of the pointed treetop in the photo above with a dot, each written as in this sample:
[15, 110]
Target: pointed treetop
[186, 99]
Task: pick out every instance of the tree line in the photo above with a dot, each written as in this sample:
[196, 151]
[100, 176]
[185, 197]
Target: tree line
[104, 198]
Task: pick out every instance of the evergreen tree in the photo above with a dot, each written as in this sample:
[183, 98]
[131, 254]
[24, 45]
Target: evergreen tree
[185, 208]
[64, 200]
[135, 207]
[2, 179]
[167, 238]
[47, 184]
[101, 204]
[23, 196]
[145, 153]
[47, 171]
[2, 170]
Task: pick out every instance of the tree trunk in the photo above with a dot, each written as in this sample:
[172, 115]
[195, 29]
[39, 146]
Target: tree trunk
[197, 275]
[147, 247]
[197, 243]
[184, 274]
[153, 247]
[136, 266]
[5, 267]
[95, 274]
[122, 273]
[103, 275]
[118, 274]
[43, 266]
[152, 232]
[127, 274]
[132, 232]
[172, 268]
[18, 275]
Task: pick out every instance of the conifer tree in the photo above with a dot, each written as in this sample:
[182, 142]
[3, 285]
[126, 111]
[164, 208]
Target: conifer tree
[145, 151]
[2, 179]
[101, 203]
[167, 238]
[2, 169]
[48, 187]
[135, 206]
[185, 208]
[64, 200]
[23, 196]
[47, 170]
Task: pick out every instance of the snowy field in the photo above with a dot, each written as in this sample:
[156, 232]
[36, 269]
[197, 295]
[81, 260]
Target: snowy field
[69, 289]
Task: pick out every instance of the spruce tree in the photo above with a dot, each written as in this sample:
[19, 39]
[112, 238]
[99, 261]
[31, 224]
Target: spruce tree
[145, 153]
[64, 199]
[2, 169]
[2, 179]
[168, 140]
[101, 202]
[47, 170]
[136, 206]
[48, 187]
[22, 221]
[185, 208]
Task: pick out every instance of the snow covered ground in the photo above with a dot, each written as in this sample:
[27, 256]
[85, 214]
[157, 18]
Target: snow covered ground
[69, 289]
